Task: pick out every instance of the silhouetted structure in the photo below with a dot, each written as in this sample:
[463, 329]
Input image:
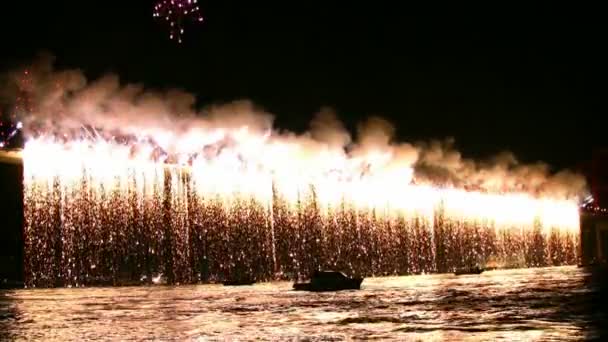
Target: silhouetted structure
[599, 177]
[83, 234]
[594, 237]
[594, 216]
[11, 214]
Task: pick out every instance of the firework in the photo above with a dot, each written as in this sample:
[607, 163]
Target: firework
[8, 131]
[127, 209]
[122, 185]
[176, 13]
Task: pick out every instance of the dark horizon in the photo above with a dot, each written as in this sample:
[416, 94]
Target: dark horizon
[524, 79]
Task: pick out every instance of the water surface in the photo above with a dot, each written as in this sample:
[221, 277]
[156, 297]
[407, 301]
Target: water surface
[511, 305]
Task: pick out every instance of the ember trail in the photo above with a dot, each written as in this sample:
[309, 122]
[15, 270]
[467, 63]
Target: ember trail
[103, 212]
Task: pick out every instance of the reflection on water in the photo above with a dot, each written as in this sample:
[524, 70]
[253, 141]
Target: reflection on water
[524, 304]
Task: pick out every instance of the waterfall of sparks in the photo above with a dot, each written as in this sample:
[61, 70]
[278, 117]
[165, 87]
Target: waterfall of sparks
[174, 13]
[103, 212]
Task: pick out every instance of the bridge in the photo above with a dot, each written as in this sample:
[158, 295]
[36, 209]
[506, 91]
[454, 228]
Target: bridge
[594, 224]
[11, 216]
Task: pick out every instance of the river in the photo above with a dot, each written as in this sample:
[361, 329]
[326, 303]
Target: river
[558, 303]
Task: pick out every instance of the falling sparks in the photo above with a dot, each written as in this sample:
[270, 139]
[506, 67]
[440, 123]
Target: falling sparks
[119, 189]
[256, 207]
[175, 13]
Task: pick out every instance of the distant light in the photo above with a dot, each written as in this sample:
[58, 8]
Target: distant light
[157, 279]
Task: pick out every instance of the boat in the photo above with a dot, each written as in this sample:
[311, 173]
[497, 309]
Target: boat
[469, 270]
[239, 282]
[594, 266]
[329, 281]
[239, 279]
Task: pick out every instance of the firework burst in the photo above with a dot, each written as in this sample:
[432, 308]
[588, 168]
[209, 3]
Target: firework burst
[113, 214]
[119, 195]
[175, 13]
[8, 131]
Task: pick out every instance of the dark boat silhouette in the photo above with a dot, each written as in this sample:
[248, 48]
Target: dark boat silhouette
[239, 282]
[329, 281]
[239, 277]
[469, 270]
[594, 266]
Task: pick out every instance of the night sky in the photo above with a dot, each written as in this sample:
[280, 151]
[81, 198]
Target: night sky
[524, 78]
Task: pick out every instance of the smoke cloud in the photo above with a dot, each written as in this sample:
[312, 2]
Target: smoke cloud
[59, 102]
[326, 128]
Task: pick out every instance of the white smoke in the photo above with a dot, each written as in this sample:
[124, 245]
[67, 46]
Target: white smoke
[62, 101]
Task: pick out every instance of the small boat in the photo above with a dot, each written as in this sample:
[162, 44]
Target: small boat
[239, 279]
[239, 282]
[329, 281]
[594, 266]
[469, 270]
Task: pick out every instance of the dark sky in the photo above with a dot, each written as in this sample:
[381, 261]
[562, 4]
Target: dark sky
[524, 78]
